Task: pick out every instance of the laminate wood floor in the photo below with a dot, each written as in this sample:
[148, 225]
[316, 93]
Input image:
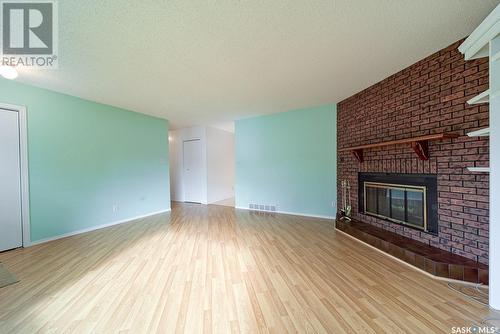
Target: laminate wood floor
[215, 269]
[226, 202]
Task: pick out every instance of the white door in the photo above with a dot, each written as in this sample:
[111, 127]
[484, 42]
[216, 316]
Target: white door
[193, 171]
[10, 181]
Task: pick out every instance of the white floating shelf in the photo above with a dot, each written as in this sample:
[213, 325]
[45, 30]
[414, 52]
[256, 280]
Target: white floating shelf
[479, 169]
[484, 97]
[479, 133]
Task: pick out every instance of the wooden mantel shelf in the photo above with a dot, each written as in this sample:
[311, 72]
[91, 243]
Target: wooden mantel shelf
[419, 144]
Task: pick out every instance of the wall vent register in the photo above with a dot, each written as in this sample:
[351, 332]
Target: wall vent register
[262, 207]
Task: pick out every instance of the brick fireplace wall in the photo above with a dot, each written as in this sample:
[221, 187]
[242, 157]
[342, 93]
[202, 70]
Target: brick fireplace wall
[425, 98]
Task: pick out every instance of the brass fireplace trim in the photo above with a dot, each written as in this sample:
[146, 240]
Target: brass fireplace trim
[403, 187]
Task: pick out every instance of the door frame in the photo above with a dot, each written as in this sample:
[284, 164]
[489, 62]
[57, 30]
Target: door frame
[184, 168]
[23, 155]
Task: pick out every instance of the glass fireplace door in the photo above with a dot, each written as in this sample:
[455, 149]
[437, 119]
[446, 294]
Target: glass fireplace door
[399, 203]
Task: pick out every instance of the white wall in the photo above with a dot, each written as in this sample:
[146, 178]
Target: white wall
[494, 255]
[220, 164]
[175, 166]
[176, 139]
[218, 161]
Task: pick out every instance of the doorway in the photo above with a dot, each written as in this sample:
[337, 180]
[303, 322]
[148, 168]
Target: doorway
[11, 178]
[193, 171]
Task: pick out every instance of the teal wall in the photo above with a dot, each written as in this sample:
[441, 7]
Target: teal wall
[289, 160]
[85, 157]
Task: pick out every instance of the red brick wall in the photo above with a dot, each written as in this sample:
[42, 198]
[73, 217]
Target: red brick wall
[427, 97]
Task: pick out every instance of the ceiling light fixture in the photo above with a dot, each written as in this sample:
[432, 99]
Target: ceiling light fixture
[8, 72]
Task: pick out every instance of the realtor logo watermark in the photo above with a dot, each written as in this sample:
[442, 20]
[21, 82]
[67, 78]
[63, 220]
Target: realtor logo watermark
[474, 330]
[29, 33]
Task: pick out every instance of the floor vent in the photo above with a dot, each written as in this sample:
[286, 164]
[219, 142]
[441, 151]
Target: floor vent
[262, 207]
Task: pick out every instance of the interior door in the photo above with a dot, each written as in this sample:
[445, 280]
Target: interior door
[10, 181]
[193, 171]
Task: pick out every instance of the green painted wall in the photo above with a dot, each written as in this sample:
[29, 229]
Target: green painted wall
[86, 157]
[289, 160]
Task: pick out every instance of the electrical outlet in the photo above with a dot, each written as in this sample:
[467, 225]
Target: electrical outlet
[333, 204]
[115, 208]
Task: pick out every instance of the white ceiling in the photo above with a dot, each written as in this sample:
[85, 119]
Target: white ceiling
[210, 62]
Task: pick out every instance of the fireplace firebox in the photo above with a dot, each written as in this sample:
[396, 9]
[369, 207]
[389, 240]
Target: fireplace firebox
[405, 199]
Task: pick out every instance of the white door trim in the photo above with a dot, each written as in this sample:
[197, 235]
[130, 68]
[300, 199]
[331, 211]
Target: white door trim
[23, 147]
[184, 169]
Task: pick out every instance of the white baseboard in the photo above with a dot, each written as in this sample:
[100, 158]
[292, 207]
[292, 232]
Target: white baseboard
[93, 228]
[289, 213]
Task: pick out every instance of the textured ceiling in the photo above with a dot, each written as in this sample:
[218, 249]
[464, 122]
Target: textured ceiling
[203, 62]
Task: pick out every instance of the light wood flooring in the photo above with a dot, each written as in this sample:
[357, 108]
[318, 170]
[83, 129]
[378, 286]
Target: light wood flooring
[226, 202]
[215, 269]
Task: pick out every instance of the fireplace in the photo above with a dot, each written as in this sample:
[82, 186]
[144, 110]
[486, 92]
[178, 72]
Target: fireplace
[405, 199]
